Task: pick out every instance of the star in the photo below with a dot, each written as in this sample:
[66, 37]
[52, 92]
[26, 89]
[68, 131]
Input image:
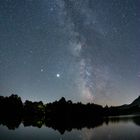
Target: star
[89, 59]
[57, 75]
[42, 70]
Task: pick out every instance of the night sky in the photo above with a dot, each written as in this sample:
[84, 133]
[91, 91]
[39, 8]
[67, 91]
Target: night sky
[84, 50]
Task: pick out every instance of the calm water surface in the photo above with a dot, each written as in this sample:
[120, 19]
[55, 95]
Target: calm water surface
[115, 129]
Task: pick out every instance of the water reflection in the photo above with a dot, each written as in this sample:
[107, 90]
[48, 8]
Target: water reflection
[116, 128]
[66, 125]
[125, 119]
[61, 125]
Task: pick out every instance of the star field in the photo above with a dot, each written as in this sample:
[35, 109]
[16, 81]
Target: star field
[84, 50]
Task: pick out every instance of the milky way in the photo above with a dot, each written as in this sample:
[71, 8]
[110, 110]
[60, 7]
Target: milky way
[84, 50]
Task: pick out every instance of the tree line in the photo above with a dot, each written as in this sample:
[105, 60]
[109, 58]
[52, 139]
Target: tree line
[61, 115]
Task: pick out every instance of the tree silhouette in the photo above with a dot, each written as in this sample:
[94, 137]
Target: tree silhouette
[61, 115]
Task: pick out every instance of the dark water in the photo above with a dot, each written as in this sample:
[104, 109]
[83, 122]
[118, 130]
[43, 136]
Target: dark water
[122, 128]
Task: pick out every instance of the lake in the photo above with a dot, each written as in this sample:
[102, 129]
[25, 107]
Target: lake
[115, 128]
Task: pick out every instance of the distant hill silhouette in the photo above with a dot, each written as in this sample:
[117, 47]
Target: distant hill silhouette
[132, 108]
[136, 102]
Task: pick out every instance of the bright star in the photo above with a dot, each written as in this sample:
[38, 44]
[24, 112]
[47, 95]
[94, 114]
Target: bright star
[57, 75]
